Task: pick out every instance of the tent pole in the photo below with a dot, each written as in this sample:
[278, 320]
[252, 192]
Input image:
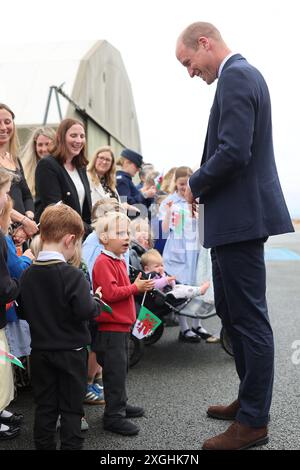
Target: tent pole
[58, 104]
[47, 106]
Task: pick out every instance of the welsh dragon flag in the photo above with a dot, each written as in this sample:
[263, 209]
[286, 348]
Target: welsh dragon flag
[178, 221]
[145, 324]
[105, 307]
[10, 358]
[158, 181]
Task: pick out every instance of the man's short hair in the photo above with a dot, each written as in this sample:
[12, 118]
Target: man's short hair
[59, 220]
[200, 28]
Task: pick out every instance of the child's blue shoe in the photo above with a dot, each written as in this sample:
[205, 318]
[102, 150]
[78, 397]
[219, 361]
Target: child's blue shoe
[94, 395]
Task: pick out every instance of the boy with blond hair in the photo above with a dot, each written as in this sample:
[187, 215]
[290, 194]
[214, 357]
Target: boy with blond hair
[55, 299]
[111, 344]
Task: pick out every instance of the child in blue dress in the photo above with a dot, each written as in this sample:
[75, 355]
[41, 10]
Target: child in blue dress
[16, 330]
[9, 423]
[181, 250]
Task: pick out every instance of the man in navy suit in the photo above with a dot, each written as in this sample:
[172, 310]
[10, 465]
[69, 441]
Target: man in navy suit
[242, 204]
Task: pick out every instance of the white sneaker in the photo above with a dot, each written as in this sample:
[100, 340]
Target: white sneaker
[84, 424]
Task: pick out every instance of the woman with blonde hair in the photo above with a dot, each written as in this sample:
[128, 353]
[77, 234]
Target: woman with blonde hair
[168, 182]
[36, 148]
[101, 173]
[8, 291]
[23, 211]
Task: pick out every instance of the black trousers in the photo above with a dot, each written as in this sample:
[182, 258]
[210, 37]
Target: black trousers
[112, 354]
[239, 278]
[59, 381]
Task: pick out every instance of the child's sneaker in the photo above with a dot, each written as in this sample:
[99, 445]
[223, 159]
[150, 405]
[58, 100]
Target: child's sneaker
[94, 395]
[58, 423]
[97, 386]
[84, 424]
[98, 380]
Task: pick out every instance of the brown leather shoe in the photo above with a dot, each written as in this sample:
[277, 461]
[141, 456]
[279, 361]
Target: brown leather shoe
[224, 412]
[238, 437]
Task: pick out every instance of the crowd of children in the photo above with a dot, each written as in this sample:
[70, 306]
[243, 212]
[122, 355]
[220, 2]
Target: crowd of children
[78, 339]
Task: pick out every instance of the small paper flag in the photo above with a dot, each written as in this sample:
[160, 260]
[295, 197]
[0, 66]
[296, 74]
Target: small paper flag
[105, 307]
[158, 181]
[179, 221]
[145, 324]
[11, 358]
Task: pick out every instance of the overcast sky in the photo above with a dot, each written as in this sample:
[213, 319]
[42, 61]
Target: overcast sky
[172, 108]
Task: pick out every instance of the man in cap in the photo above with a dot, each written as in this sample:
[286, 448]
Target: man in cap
[131, 162]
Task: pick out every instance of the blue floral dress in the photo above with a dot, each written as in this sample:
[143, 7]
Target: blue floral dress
[181, 250]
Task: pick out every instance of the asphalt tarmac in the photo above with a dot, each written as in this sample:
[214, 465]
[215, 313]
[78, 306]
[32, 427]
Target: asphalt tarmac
[175, 382]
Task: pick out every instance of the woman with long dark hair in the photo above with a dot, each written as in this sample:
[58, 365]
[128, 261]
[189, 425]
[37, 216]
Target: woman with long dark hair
[61, 176]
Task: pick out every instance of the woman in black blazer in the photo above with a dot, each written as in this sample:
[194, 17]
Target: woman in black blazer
[61, 176]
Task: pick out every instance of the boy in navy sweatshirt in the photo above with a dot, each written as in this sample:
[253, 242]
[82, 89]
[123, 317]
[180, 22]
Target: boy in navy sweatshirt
[111, 343]
[55, 300]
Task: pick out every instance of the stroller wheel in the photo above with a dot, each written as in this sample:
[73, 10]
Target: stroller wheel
[135, 350]
[226, 342]
[156, 335]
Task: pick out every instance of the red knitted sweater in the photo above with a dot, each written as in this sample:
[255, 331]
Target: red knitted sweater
[111, 275]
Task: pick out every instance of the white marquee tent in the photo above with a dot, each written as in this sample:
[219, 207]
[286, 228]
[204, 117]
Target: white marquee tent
[90, 73]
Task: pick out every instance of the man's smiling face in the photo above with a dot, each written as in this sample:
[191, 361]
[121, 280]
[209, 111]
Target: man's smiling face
[198, 62]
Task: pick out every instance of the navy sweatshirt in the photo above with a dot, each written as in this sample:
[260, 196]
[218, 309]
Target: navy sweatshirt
[55, 300]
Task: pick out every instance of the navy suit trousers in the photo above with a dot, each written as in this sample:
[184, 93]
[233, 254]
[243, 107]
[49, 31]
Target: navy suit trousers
[239, 277]
[112, 354]
[59, 381]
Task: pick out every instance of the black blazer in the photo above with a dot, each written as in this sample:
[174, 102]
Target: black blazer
[237, 182]
[53, 184]
[20, 192]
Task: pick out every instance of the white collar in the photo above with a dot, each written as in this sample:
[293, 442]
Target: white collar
[224, 62]
[112, 255]
[50, 255]
[177, 197]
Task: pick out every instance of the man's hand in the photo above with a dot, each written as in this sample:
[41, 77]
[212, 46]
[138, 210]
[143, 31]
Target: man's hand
[192, 202]
[188, 195]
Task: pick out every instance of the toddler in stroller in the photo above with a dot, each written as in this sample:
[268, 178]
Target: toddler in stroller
[169, 296]
[182, 300]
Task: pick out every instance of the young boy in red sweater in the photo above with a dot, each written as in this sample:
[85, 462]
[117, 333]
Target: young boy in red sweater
[111, 343]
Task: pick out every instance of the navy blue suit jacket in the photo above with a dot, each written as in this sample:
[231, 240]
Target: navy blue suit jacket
[237, 182]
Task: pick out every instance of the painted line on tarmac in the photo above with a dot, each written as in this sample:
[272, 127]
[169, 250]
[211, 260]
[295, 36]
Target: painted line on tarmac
[281, 254]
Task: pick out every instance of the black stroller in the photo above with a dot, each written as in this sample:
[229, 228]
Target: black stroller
[162, 304]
